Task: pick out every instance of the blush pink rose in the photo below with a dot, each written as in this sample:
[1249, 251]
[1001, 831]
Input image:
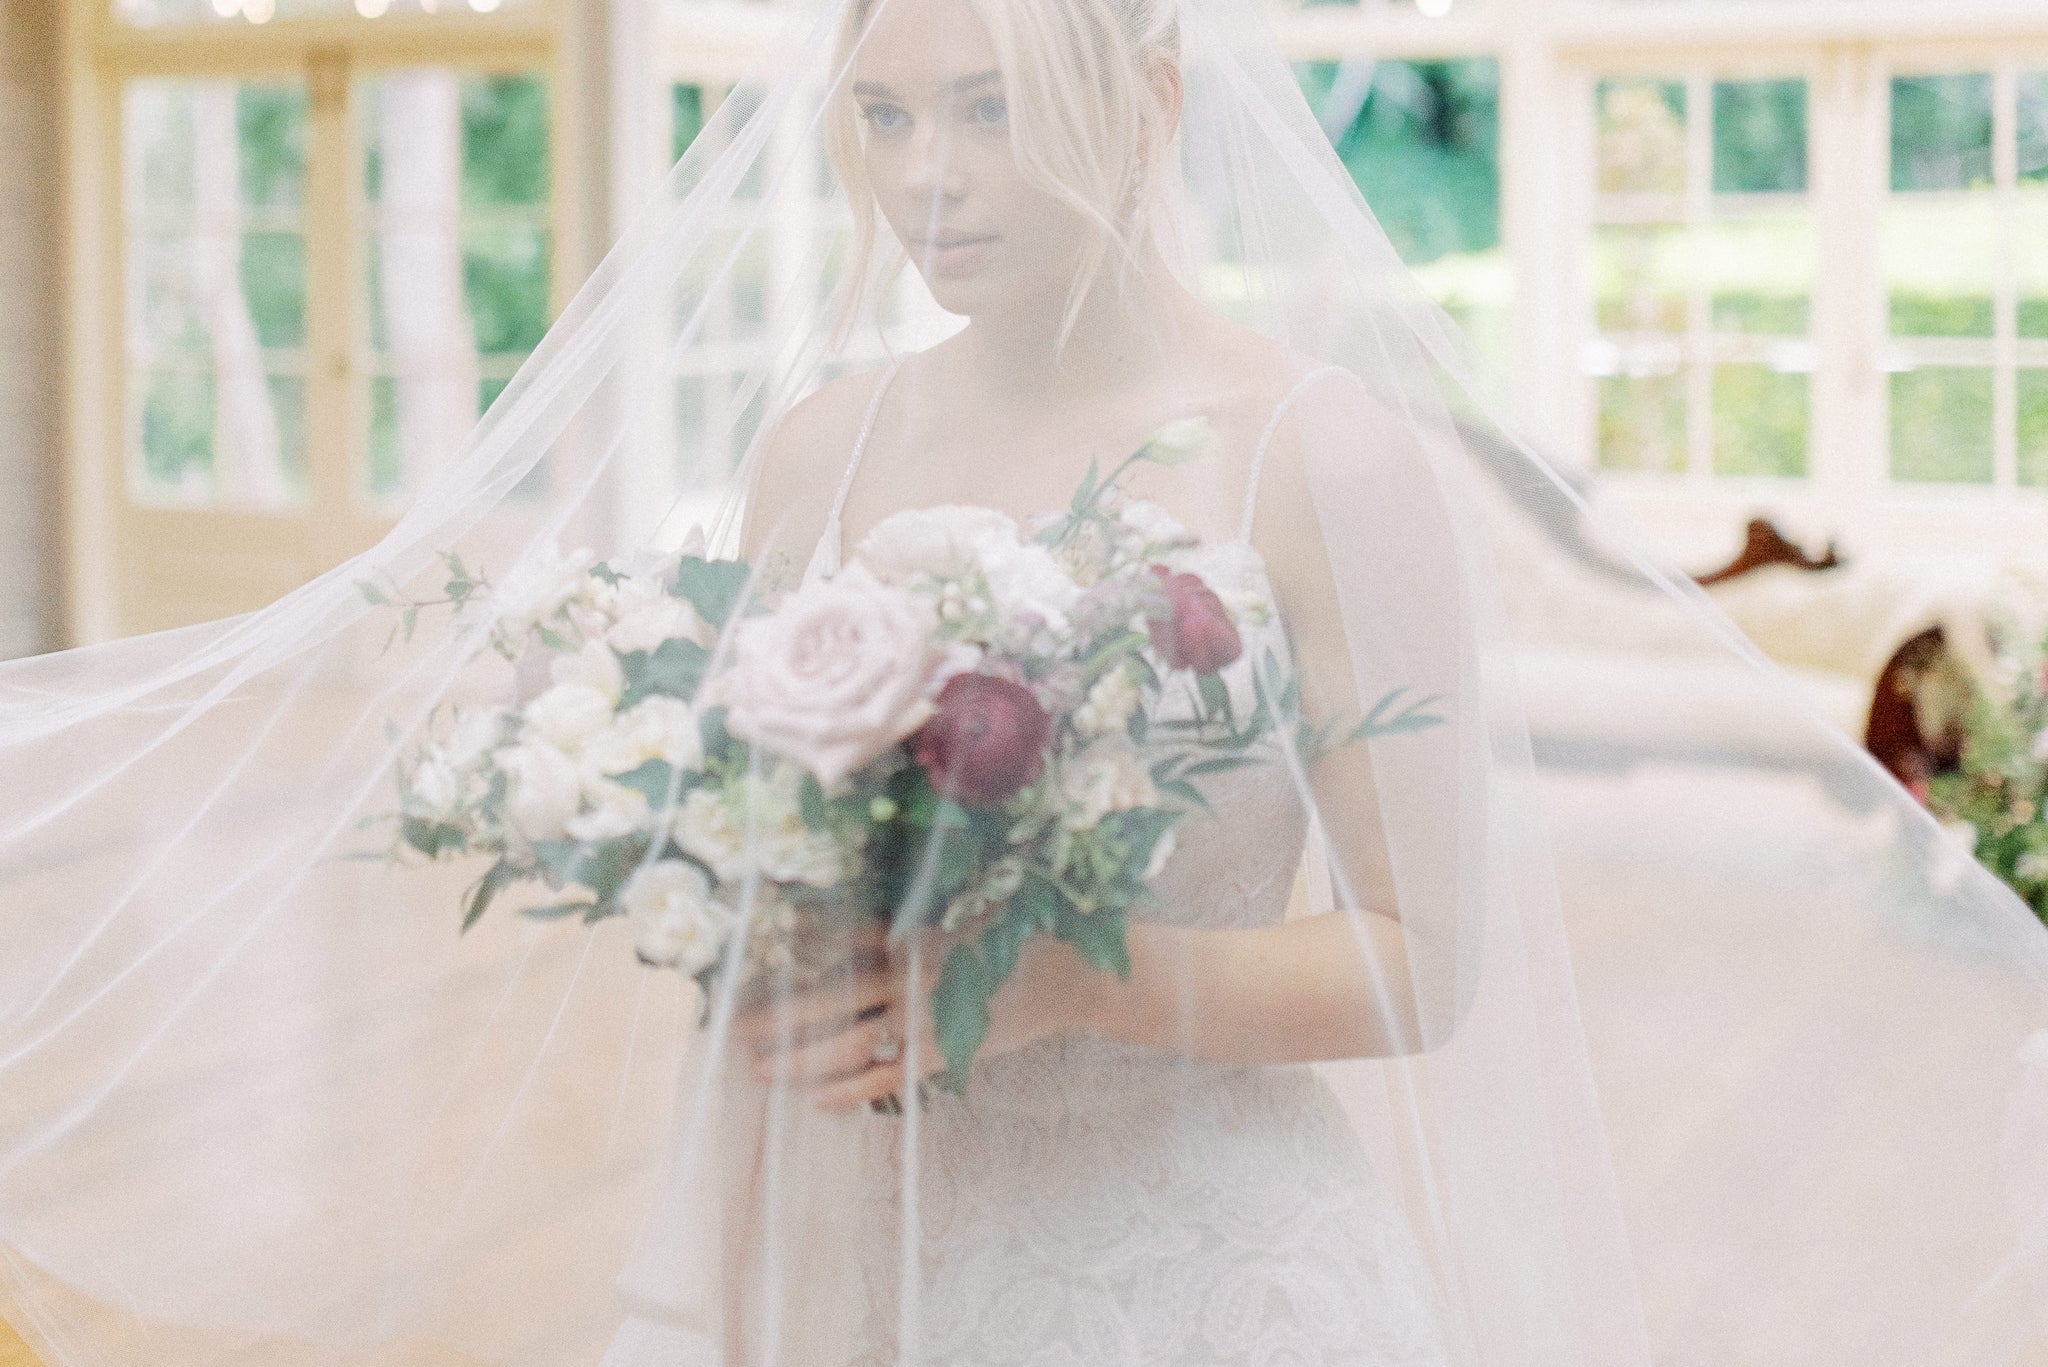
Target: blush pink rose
[833, 677]
[1196, 631]
[986, 741]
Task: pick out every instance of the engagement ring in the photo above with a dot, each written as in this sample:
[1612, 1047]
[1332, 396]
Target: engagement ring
[888, 1049]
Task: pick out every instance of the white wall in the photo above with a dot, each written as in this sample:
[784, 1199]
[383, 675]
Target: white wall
[29, 337]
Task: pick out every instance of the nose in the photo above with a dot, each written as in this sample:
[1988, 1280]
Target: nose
[933, 173]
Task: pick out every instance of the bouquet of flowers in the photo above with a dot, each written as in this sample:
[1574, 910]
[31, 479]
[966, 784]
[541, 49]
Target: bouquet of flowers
[1997, 800]
[976, 727]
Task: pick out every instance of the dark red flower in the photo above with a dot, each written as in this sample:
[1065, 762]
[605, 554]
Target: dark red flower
[987, 739]
[1197, 633]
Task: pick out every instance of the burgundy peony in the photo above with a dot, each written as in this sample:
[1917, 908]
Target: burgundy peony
[987, 740]
[1198, 634]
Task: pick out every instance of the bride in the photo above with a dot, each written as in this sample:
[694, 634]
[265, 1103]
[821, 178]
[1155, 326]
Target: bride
[1427, 1053]
[1076, 1205]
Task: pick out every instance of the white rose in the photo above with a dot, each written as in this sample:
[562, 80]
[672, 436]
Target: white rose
[676, 924]
[661, 727]
[536, 590]
[2033, 864]
[1107, 777]
[1182, 440]
[594, 666]
[940, 542]
[1027, 578]
[568, 713]
[615, 811]
[545, 792]
[648, 614]
[834, 677]
[759, 828]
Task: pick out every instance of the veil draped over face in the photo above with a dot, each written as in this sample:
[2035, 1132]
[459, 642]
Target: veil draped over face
[1690, 1057]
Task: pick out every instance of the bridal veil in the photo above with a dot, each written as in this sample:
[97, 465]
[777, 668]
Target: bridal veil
[1712, 1062]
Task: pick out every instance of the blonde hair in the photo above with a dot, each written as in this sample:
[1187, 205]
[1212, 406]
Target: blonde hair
[1089, 124]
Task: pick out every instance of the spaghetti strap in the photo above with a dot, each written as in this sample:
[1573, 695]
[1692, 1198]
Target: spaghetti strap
[825, 559]
[1251, 492]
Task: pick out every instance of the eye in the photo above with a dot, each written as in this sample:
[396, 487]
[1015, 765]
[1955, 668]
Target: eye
[989, 111]
[885, 118]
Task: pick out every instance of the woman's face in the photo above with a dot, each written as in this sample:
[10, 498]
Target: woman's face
[941, 165]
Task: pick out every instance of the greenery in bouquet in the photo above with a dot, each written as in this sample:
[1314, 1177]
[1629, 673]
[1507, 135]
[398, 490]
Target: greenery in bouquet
[1995, 800]
[978, 730]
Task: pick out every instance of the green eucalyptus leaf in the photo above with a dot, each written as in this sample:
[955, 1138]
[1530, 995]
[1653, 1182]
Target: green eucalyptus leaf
[1099, 936]
[960, 1009]
[712, 587]
[673, 669]
[500, 876]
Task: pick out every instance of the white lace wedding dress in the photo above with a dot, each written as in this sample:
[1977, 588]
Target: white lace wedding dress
[1094, 1204]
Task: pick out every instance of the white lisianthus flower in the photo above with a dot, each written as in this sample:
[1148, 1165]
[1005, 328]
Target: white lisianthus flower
[2033, 864]
[594, 666]
[476, 734]
[436, 787]
[832, 678]
[568, 714]
[676, 922]
[1109, 776]
[615, 810]
[1181, 441]
[546, 790]
[938, 542]
[1108, 707]
[1148, 524]
[537, 590]
[760, 828]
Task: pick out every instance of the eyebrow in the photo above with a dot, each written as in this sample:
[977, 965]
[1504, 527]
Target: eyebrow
[876, 90]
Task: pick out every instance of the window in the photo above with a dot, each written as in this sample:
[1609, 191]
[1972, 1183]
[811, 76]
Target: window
[457, 258]
[1703, 261]
[213, 190]
[1966, 278]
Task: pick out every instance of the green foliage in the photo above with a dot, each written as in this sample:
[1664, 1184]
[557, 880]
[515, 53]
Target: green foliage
[1760, 137]
[1941, 425]
[505, 145]
[1941, 131]
[674, 669]
[712, 587]
[2001, 789]
[1423, 146]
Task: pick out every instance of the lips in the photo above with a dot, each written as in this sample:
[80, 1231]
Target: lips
[946, 242]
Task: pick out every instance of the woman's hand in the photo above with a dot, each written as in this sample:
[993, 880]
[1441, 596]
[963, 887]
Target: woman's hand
[848, 1040]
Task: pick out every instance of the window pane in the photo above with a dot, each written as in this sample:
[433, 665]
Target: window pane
[1940, 254]
[1639, 283]
[1642, 137]
[171, 13]
[1642, 422]
[688, 112]
[458, 262]
[2033, 386]
[213, 176]
[1760, 421]
[1941, 425]
[2030, 260]
[1762, 266]
[1941, 132]
[1760, 137]
[2032, 126]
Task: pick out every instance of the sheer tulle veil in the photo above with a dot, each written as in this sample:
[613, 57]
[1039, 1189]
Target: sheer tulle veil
[1689, 1061]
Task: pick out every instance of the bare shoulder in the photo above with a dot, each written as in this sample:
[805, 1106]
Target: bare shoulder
[804, 456]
